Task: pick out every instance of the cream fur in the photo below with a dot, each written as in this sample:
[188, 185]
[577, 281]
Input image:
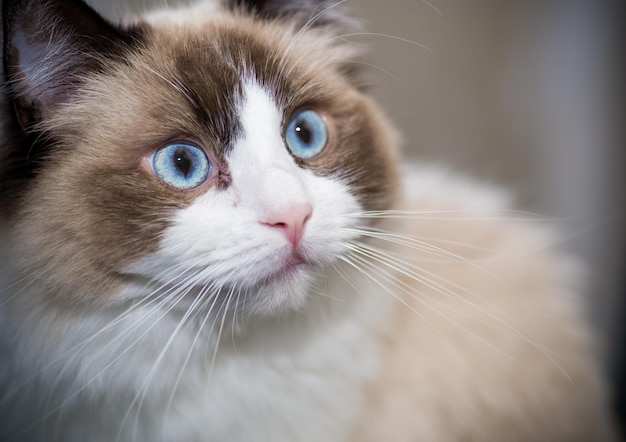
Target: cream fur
[512, 339]
[452, 318]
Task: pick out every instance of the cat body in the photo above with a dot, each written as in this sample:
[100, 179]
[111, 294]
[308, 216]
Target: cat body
[206, 237]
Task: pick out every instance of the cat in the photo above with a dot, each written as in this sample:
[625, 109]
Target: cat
[208, 234]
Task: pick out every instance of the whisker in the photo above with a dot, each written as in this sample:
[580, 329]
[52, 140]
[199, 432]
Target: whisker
[470, 215]
[404, 269]
[140, 396]
[393, 37]
[408, 242]
[175, 84]
[72, 352]
[234, 324]
[407, 289]
[75, 393]
[433, 7]
[410, 271]
[201, 328]
[410, 268]
[423, 246]
[147, 301]
[349, 260]
[32, 277]
[219, 334]
[305, 28]
[376, 67]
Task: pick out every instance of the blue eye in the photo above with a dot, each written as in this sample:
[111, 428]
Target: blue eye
[180, 165]
[306, 134]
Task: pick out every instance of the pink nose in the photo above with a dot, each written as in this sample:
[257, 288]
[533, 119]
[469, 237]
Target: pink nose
[291, 221]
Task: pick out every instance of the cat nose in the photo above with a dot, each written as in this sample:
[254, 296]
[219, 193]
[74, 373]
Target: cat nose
[291, 221]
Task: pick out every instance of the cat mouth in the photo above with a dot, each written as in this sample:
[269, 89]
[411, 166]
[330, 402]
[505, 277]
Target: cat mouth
[294, 260]
[291, 267]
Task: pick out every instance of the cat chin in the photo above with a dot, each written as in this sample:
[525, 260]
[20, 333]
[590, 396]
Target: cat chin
[279, 293]
[282, 292]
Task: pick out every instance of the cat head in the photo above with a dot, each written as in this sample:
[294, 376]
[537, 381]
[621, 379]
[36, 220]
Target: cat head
[223, 149]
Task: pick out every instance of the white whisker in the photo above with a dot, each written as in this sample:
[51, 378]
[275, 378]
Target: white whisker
[433, 7]
[408, 270]
[174, 83]
[201, 329]
[393, 37]
[376, 67]
[140, 396]
[359, 268]
[468, 215]
[405, 288]
[304, 29]
[225, 305]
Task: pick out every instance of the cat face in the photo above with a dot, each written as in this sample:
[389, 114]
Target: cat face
[197, 155]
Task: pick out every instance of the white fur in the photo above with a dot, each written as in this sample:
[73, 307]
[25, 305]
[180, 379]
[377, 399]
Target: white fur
[212, 339]
[295, 377]
[247, 389]
[264, 179]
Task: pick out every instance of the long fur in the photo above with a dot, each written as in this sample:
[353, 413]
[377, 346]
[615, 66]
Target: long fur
[418, 304]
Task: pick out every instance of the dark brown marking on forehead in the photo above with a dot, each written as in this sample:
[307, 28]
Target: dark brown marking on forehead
[362, 151]
[216, 88]
[211, 69]
[217, 67]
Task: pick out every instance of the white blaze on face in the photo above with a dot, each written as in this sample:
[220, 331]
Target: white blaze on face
[264, 175]
[244, 236]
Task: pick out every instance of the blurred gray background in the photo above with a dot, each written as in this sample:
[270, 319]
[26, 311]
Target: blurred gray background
[530, 95]
[521, 93]
[527, 94]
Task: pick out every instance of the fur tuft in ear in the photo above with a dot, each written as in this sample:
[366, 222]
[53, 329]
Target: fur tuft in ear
[49, 45]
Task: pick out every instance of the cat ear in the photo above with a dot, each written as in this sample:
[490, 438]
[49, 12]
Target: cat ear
[314, 13]
[49, 46]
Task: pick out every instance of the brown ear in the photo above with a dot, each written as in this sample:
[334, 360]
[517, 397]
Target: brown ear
[49, 46]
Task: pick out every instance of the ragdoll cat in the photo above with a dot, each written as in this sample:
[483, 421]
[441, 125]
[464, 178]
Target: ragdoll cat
[206, 236]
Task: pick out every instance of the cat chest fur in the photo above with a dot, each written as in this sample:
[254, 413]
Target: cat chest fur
[173, 383]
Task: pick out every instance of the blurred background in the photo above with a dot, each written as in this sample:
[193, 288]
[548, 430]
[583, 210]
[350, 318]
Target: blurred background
[524, 94]
[529, 95]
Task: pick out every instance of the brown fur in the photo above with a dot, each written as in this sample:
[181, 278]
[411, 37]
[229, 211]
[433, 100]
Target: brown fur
[455, 365]
[104, 209]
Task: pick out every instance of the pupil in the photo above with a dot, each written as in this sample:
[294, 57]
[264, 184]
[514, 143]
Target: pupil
[304, 133]
[182, 161]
